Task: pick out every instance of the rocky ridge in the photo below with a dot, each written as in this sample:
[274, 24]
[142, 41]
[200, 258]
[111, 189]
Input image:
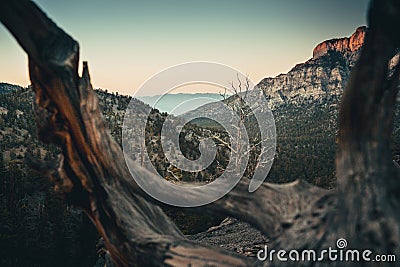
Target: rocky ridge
[326, 73]
[318, 82]
[323, 76]
[344, 45]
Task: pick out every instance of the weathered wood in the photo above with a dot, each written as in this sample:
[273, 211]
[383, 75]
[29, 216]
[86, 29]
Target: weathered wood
[135, 231]
[368, 182]
[92, 173]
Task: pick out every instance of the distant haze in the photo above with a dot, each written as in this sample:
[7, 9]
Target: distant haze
[178, 104]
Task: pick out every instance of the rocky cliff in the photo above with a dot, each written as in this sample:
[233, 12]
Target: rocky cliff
[343, 45]
[326, 73]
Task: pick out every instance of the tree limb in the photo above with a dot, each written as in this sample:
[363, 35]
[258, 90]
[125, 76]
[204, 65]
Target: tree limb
[92, 174]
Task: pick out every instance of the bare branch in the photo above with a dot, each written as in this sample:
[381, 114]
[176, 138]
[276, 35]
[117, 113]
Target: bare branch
[295, 215]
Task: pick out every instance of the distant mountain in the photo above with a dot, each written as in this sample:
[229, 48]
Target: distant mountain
[347, 45]
[177, 104]
[305, 105]
[323, 76]
[326, 73]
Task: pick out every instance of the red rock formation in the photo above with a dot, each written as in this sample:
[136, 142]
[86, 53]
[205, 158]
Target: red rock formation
[347, 44]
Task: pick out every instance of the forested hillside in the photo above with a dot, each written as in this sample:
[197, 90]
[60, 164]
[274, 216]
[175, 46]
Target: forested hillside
[64, 236]
[306, 135]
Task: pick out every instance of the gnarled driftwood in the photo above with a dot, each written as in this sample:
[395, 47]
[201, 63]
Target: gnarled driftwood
[92, 173]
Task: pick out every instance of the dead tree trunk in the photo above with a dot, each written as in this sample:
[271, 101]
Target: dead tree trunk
[92, 173]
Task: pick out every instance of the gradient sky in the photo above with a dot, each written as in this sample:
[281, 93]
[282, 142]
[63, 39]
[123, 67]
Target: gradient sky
[126, 42]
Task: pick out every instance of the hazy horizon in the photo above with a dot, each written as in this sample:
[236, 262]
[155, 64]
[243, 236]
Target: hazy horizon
[127, 42]
[179, 103]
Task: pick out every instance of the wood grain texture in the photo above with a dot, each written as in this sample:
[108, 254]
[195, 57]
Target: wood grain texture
[93, 176]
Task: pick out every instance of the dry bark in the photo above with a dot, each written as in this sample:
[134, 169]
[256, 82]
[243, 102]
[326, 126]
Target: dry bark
[92, 173]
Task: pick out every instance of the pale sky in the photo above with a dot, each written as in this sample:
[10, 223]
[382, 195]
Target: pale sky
[126, 42]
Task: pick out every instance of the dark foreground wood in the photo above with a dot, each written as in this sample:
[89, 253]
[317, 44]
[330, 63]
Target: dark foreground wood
[91, 170]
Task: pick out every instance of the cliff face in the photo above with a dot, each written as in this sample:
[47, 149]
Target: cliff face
[342, 45]
[317, 77]
[326, 73]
